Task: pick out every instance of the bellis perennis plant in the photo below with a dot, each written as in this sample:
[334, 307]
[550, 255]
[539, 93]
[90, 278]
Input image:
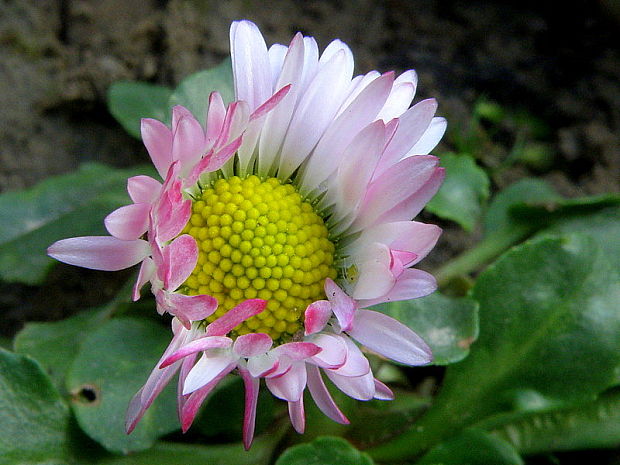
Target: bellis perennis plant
[277, 224]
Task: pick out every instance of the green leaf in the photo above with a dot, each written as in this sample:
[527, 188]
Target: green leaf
[449, 326]
[69, 205]
[472, 447]
[112, 364]
[463, 193]
[34, 419]
[498, 219]
[129, 102]
[194, 91]
[548, 314]
[164, 453]
[590, 426]
[47, 342]
[323, 451]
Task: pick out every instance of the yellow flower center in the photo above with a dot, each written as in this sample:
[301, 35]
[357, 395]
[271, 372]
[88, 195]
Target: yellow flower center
[259, 239]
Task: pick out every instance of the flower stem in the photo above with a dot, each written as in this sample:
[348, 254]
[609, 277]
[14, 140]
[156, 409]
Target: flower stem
[486, 250]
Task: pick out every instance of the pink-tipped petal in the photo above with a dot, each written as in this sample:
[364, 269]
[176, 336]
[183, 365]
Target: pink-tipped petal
[157, 139]
[343, 306]
[360, 387]
[271, 103]
[129, 222]
[263, 365]
[143, 189]
[206, 370]
[195, 346]
[321, 396]
[316, 316]
[333, 352]
[147, 271]
[196, 398]
[390, 338]
[188, 142]
[298, 350]
[99, 252]
[290, 386]
[181, 256]
[297, 414]
[252, 386]
[186, 367]
[411, 284]
[190, 308]
[382, 392]
[226, 323]
[356, 363]
[249, 345]
[430, 138]
[215, 118]
[375, 279]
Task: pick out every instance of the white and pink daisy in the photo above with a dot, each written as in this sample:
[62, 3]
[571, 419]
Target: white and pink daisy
[277, 224]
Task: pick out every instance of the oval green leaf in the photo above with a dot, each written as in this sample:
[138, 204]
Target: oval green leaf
[322, 451]
[112, 364]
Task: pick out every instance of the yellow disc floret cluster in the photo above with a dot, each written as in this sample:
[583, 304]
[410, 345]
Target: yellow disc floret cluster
[259, 239]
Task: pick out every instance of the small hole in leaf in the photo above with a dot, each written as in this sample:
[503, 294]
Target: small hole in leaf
[87, 394]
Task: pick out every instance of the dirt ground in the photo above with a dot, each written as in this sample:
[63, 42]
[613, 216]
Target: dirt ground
[58, 57]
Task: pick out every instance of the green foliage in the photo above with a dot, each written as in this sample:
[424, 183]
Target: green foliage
[464, 192]
[589, 426]
[62, 206]
[129, 102]
[323, 451]
[472, 447]
[110, 367]
[35, 420]
[449, 326]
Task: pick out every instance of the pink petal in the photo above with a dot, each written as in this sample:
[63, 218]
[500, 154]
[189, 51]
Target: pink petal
[249, 345]
[271, 103]
[375, 277]
[412, 125]
[382, 392]
[190, 308]
[181, 256]
[252, 386]
[188, 142]
[411, 284]
[157, 139]
[297, 415]
[129, 222]
[333, 352]
[343, 306]
[360, 387]
[322, 397]
[356, 363]
[290, 386]
[361, 112]
[430, 138]
[400, 97]
[395, 185]
[196, 398]
[263, 365]
[186, 366]
[215, 118]
[227, 322]
[316, 316]
[410, 207]
[297, 350]
[143, 189]
[99, 252]
[195, 346]
[206, 370]
[147, 271]
[390, 338]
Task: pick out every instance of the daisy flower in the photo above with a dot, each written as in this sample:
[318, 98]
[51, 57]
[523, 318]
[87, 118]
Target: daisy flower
[277, 225]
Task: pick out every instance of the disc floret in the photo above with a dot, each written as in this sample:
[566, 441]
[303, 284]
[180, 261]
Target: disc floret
[259, 239]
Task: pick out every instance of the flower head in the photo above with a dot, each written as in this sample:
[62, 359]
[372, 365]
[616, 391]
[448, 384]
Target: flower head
[277, 224]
